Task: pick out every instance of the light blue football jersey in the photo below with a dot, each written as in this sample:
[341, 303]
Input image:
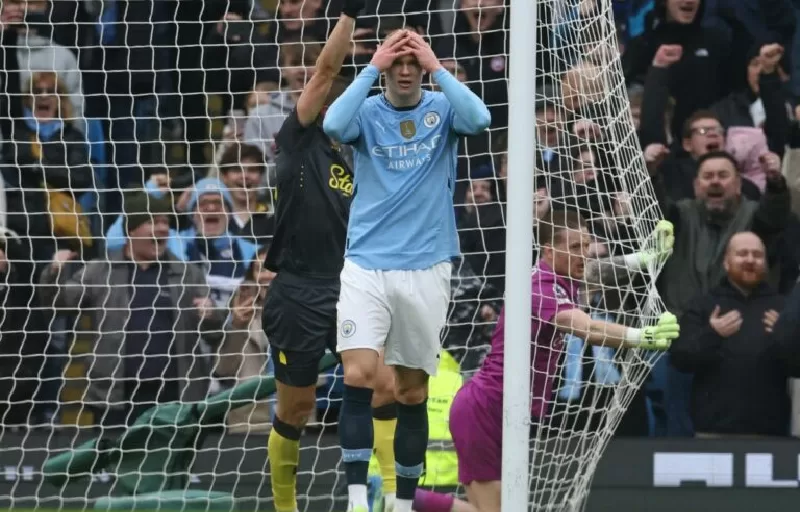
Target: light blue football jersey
[402, 215]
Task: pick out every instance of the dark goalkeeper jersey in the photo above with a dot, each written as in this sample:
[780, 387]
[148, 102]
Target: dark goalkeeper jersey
[314, 189]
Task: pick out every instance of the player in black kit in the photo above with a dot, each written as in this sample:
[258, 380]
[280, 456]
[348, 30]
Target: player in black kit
[314, 191]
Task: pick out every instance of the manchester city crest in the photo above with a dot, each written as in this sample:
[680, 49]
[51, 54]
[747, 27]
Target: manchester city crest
[431, 119]
[347, 329]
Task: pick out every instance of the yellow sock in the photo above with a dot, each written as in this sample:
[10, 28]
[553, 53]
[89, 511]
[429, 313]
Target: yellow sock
[384, 452]
[283, 450]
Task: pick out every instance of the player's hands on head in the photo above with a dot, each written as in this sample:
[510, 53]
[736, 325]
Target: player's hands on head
[423, 52]
[351, 8]
[661, 335]
[394, 47]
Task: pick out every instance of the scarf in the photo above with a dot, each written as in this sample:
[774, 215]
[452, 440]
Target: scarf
[44, 129]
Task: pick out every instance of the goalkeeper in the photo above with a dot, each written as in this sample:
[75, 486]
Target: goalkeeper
[314, 191]
[476, 415]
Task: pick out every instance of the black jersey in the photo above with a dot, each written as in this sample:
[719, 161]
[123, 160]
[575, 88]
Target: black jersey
[314, 192]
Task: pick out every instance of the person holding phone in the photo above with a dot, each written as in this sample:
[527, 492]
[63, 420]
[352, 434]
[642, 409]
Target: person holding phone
[244, 353]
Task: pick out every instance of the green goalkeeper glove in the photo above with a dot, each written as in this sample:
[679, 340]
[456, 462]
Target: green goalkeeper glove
[659, 337]
[658, 246]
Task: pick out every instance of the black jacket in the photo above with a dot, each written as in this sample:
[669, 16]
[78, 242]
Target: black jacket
[740, 383]
[699, 79]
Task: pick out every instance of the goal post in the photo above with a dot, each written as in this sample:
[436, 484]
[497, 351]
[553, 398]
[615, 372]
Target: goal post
[519, 241]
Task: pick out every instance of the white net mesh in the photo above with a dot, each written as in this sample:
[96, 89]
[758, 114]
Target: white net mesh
[101, 99]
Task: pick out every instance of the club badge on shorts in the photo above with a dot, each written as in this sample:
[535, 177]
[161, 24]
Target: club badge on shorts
[408, 129]
[347, 329]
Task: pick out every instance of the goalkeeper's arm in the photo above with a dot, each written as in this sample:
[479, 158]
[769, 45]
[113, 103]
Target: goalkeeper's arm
[597, 332]
[328, 65]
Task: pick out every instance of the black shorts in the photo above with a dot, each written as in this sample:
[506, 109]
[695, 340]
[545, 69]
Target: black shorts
[299, 320]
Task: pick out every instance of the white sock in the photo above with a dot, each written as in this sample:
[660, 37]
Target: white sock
[403, 505]
[358, 496]
[389, 499]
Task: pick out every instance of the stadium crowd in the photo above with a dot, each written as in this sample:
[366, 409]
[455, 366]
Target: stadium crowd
[144, 131]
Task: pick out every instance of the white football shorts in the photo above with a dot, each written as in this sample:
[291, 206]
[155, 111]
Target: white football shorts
[401, 311]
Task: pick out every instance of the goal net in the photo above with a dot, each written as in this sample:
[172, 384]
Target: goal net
[113, 113]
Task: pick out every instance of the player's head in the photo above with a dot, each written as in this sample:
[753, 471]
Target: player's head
[565, 241]
[404, 78]
[746, 260]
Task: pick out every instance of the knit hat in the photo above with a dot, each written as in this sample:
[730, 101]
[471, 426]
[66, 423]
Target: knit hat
[209, 186]
[140, 208]
[481, 172]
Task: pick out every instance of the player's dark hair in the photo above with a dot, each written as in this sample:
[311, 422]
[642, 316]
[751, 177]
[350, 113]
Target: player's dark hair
[556, 222]
[236, 153]
[711, 155]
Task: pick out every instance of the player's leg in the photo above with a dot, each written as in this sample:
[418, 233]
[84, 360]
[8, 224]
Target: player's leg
[485, 496]
[298, 318]
[296, 378]
[363, 322]
[384, 422]
[419, 312]
[476, 429]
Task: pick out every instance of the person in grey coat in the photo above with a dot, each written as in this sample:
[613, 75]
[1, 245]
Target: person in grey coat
[148, 310]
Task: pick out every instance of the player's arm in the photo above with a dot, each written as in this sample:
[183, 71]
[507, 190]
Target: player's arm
[598, 332]
[470, 113]
[328, 64]
[617, 270]
[342, 122]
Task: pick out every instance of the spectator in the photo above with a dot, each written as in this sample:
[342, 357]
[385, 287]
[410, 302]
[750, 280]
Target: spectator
[263, 122]
[473, 311]
[224, 256]
[549, 131]
[36, 52]
[482, 231]
[305, 17]
[209, 239]
[740, 371]
[244, 352]
[702, 229]
[481, 46]
[148, 310]
[699, 75]
[127, 85]
[762, 103]
[242, 170]
[703, 133]
[238, 55]
[22, 339]
[43, 164]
